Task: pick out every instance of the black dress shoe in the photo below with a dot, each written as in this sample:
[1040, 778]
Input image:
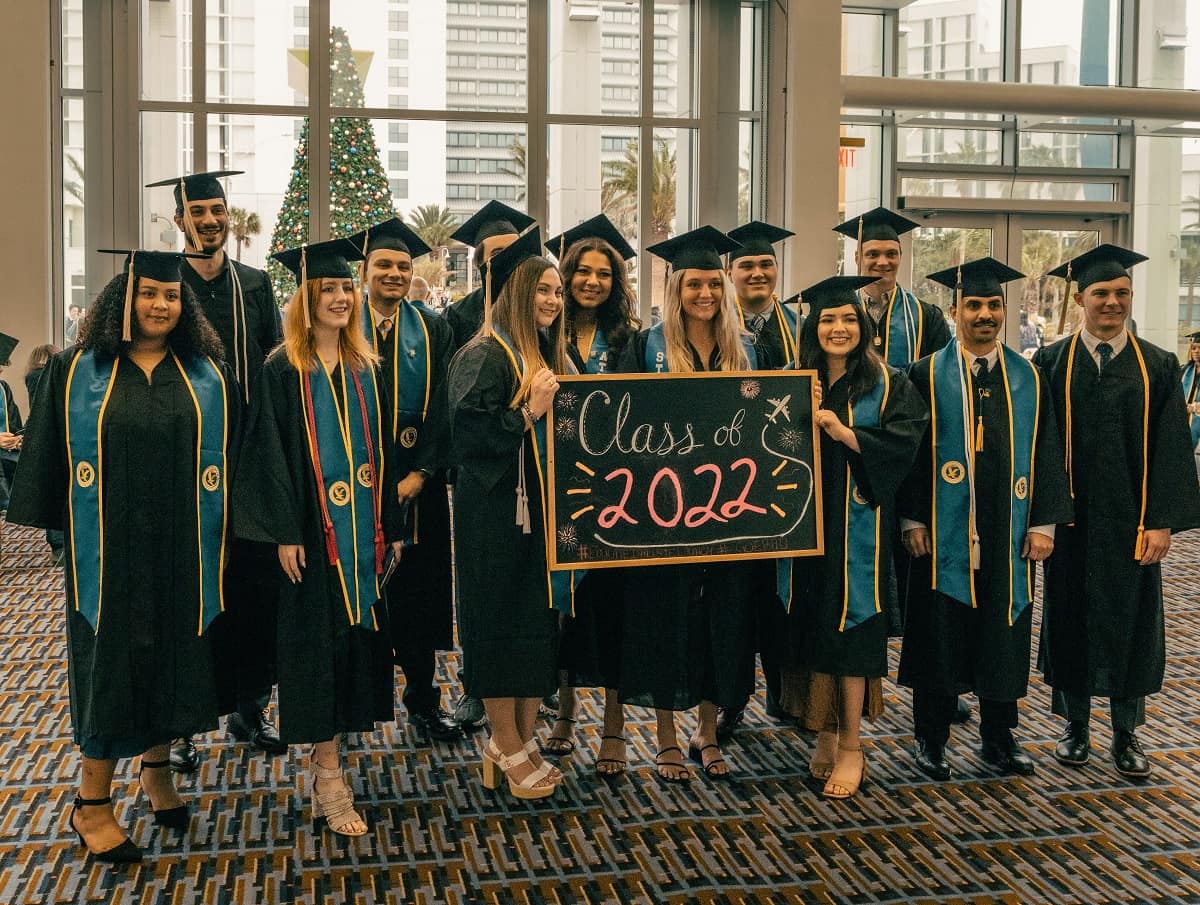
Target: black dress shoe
[962, 711]
[436, 724]
[256, 730]
[469, 713]
[1074, 748]
[728, 719]
[931, 760]
[184, 756]
[1128, 755]
[1007, 756]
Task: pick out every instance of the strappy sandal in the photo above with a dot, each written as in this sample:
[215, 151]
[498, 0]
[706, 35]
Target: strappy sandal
[560, 747]
[619, 762]
[123, 853]
[839, 790]
[822, 769]
[176, 818]
[336, 807]
[531, 748]
[697, 754]
[497, 764]
[660, 765]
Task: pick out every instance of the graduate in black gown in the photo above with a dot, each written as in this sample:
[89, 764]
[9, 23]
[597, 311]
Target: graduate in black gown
[501, 386]
[1189, 379]
[129, 450]
[10, 423]
[1121, 414]
[415, 346]
[997, 473]
[871, 421]
[600, 317]
[317, 480]
[692, 641]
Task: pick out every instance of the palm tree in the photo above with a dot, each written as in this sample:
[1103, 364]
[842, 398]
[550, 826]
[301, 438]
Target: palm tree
[433, 223]
[1191, 209]
[517, 169]
[243, 224]
[74, 185]
[619, 200]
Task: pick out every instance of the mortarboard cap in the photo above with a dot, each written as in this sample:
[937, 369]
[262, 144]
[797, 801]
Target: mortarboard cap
[1191, 334]
[493, 219]
[502, 266]
[320, 259]
[981, 278]
[793, 300]
[196, 187]
[879, 224]
[394, 235]
[834, 292]
[7, 344]
[757, 238]
[1104, 262]
[700, 249]
[163, 266]
[598, 227]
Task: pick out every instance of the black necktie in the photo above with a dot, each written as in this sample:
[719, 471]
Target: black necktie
[385, 327]
[755, 323]
[981, 368]
[1105, 352]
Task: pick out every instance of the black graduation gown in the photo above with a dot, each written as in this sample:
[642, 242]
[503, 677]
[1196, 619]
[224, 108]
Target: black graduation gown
[818, 586]
[333, 676]
[465, 317]
[1102, 620]
[420, 593]
[8, 458]
[769, 344]
[507, 628]
[688, 633]
[950, 648]
[145, 676]
[935, 332]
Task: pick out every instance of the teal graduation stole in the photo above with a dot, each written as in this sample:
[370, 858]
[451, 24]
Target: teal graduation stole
[954, 534]
[597, 358]
[408, 371]
[89, 387]
[1191, 386]
[560, 586]
[655, 358]
[3, 410]
[862, 597]
[343, 447]
[904, 328]
[786, 318]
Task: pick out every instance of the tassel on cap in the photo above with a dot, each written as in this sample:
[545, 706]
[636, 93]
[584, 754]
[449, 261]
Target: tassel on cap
[188, 224]
[487, 301]
[796, 335]
[304, 287]
[127, 316]
[1062, 314]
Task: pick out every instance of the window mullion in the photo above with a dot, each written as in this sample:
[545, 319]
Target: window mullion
[319, 87]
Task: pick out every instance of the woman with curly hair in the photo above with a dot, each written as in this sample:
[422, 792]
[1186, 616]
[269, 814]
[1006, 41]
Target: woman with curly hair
[600, 318]
[129, 450]
[318, 481]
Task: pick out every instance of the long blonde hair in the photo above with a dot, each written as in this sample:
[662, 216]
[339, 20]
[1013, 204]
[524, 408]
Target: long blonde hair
[727, 329]
[515, 313]
[301, 346]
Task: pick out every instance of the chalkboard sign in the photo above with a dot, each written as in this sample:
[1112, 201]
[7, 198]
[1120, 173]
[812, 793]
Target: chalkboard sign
[647, 469]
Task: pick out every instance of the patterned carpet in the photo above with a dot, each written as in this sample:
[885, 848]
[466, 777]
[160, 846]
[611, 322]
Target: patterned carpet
[1063, 836]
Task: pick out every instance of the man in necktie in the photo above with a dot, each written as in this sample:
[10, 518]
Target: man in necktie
[978, 511]
[1119, 407]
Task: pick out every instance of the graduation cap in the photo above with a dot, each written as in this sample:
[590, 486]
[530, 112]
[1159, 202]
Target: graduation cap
[757, 238]
[393, 235]
[833, 293]
[598, 227]
[700, 249]
[7, 344]
[793, 300]
[1104, 262]
[493, 219]
[316, 261]
[879, 224]
[981, 278]
[1191, 334]
[163, 266]
[196, 187]
[503, 265]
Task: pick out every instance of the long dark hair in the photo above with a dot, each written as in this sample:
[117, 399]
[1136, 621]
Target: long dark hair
[863, 364]
[101, 328]
[40, 357]
[616, 317]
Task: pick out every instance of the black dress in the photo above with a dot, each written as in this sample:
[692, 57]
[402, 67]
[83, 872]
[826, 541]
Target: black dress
[507, 628]
[144, 676]
[689, 628]
[818, 583]
[334, 676]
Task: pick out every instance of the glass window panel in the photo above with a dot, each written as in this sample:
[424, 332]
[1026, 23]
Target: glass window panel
[956, 146]
[256, 51]
[752, 57]
[72, 44]
[675, 44]
[1042, 297]
[862, 44]
[1070, 42]
[73, 207]
[1169, 56]
[966, 187]
[935, 248]
[471, 58]
[749, 171]
[672, 187]
[593, 169]
[166, 48]
[166, 151]
[860, 181]
[952, 40]
[1067, 149]
[593, 63]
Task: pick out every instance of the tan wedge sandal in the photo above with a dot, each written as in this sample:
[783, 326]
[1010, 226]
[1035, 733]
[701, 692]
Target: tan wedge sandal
[336, 807]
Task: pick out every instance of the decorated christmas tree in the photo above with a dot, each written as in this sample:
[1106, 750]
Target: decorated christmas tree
[358, 186]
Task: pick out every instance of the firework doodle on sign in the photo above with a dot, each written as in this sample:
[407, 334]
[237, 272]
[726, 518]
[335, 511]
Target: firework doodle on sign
[750, 389]
[568, 538]
[791, 439]
[564, 429]
[565, 401]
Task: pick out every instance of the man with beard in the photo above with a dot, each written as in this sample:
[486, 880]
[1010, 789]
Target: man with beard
[415, 345]
[238, 302]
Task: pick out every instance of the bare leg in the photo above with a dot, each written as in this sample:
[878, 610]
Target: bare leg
[669, 761]
[328, 756]
[560, 740]
[511, 721]
[611, 759]
[705, 740]
[158, 782]
[849, 766]
[97, 823]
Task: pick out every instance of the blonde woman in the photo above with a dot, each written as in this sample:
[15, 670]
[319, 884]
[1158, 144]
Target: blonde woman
[501, 387]
[317, 480]
[689, 629]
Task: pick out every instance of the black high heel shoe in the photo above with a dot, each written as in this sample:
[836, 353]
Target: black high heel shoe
[125, 853]
[176, 818]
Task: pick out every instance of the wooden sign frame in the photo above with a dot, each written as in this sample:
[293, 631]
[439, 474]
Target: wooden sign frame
[816, 500]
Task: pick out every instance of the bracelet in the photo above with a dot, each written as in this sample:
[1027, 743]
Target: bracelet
[528, 413]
